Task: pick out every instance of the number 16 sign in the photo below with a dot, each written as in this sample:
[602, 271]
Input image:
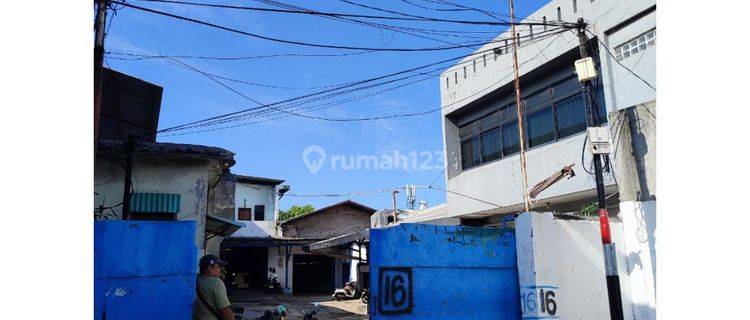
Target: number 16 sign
[395, 291]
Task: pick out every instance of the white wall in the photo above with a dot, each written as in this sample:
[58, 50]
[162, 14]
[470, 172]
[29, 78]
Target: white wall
[277, 259]
[639, 221]
[500, 182]
[250, 195]
[565, 257]
[187, 177]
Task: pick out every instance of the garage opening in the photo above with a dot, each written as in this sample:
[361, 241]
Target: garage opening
[249, 266]
[313, 274]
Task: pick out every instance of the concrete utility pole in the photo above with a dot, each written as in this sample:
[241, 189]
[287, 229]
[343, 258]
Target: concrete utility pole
[610, 258]
[395, 215]
[519, 113]
[101, 16]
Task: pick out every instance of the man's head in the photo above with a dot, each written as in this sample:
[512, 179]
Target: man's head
[210, 265]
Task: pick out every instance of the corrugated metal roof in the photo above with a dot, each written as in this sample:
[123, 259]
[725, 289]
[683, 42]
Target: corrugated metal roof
[155, 202]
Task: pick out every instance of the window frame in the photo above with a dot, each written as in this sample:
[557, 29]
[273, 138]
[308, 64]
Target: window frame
[262, 212]
[502, 123]
[244, 208]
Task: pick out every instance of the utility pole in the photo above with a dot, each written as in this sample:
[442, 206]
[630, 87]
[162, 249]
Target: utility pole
[519, 113]
[610, 255]
[101, 16]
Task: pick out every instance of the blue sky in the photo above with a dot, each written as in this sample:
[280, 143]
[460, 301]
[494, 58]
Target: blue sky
[274, 148]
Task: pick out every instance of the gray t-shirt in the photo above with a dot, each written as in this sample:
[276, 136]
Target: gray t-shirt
[214, 292]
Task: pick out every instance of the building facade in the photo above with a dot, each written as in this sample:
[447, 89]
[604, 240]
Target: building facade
[480, 127]
[256, 205]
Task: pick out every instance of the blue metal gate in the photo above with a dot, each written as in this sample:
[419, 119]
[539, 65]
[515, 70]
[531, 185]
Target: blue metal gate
[422, 271]
[144, 269]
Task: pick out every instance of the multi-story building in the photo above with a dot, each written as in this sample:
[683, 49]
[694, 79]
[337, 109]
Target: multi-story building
[256, 206]
[480, 127]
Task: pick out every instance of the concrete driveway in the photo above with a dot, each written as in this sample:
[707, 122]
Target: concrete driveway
[255, 303]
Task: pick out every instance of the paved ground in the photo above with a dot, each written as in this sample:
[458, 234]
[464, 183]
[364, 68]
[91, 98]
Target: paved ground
[256, 302]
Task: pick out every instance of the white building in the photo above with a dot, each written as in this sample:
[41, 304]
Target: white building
[480, 129]
[257, 207]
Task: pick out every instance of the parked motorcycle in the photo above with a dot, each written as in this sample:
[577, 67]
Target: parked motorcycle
[350, 291]
[272, 284]
[277, 314]
[310, 315]
[365, 296]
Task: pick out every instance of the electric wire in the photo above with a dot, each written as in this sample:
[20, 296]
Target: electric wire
[618, 61]
[429, 111]
[280, 55]
[407, 17]
[300, 43]
[330, 90]
[239, 113]
[380, 26]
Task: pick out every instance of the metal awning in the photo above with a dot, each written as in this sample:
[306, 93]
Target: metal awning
[223, 227]
[240, 242]
[361, 235]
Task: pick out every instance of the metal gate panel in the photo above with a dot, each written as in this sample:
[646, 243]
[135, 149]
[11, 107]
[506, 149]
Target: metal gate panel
[423, 271]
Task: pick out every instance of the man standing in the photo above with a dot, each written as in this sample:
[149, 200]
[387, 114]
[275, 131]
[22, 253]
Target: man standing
[212, 301]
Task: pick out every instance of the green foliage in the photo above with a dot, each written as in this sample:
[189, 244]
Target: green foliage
[295, 211]
[590, 209]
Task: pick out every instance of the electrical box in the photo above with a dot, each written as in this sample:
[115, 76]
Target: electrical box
[585, 69]
[598, 138]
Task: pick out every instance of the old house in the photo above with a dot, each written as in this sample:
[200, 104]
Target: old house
[169, 181]
[252, 250]
[300, 270]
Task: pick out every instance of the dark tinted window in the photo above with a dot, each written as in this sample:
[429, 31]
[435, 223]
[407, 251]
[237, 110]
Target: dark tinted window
[490, 145]
[571, 116]
[468, 130]
[538, 99]
[541, 127]
[260, 213]
[566, 88]
[470, 153]
[510, 138]
[489, 121]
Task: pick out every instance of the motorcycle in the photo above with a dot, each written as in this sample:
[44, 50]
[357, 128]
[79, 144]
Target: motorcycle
[350, 291]
[278, 314]
[310, 315]
[273, 285]
[365, 296]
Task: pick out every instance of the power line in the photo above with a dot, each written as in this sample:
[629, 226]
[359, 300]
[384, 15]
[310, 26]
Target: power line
[237, 114]
[354, 21]
[407, 17]
[434, 9]
[393, 12]
[305, 115]
[460, 194]
[311, 108]
[280, 55]
[329, 46]
[368, 192]
[448, 3]
[348, 194]
[451, 104]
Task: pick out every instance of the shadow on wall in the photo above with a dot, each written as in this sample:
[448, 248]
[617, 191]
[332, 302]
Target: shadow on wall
[642, 311]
